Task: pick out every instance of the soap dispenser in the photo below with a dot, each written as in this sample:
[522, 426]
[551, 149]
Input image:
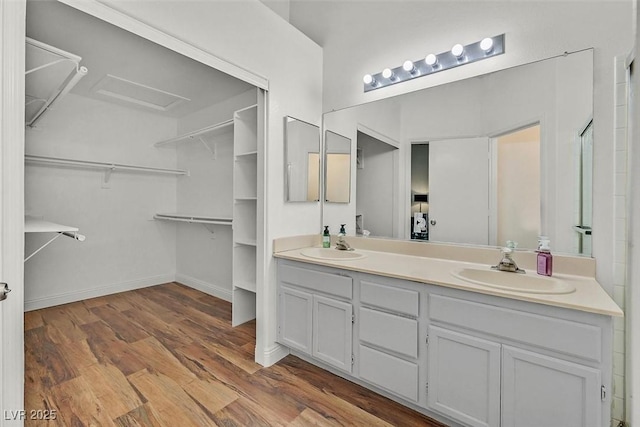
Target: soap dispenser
[545, 259]
[326, 237]
[342, 231]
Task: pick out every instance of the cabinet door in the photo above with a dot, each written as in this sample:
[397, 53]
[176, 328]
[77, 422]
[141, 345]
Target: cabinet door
[332, 332]
[539, 390]
[464, 377]
[294, 328]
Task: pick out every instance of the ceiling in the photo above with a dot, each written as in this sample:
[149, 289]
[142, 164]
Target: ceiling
[109, 50]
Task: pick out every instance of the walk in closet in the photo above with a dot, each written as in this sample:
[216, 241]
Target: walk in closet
[149, 160]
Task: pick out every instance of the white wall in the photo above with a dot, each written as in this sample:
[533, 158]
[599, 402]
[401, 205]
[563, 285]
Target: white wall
[124, 247]
[249, 35]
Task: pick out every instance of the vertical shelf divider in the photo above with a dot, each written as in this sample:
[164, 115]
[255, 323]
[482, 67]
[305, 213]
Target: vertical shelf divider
[245, 214]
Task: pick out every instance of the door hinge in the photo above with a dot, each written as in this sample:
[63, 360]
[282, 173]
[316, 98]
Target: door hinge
[353, 318]
[427, 387]
[353, 359]
[603, 393]
[427, 340]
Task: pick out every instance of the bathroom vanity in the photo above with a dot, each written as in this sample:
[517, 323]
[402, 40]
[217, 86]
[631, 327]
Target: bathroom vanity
[410, 328]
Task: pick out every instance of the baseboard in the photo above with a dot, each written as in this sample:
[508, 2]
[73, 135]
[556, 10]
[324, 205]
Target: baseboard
[271, 355]
[207, 288]
[100, 291]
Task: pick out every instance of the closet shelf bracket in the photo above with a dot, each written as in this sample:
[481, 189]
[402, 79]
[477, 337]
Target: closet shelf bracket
[33, 225]
[214, 152]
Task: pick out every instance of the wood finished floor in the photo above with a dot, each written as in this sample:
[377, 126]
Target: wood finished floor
[168, 356]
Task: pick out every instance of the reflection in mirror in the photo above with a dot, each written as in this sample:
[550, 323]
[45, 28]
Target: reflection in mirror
[302, 161]
[502, 156]
[337, 168]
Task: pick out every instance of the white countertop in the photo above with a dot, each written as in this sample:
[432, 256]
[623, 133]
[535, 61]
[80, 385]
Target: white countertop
[589, 295]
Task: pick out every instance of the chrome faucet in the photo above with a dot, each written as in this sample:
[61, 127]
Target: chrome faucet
[341, 244]
[507, 263]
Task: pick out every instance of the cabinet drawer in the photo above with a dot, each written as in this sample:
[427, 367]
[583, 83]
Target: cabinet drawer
[328, 283]
[393, 374]
[564, 336]
[400, 300]
[388, 331]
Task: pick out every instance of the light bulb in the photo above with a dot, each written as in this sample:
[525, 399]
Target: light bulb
[387, 73]
[486, 44]
[431, 59]
[408, 66]
[457, 50]
[368, 79]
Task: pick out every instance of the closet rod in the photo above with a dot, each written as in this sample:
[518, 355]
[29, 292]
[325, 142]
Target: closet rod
[191, 135]
[193, 219]
[99, 165]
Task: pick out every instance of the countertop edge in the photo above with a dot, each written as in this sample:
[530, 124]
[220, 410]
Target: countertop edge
[606, 305]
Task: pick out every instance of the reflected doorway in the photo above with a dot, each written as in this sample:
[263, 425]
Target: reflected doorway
[376, 183]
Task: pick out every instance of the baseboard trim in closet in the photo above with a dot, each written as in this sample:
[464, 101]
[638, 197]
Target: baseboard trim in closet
[82, 294]
[208, 288]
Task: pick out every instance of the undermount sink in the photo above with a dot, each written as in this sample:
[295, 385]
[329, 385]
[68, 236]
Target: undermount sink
[331, 254]
[527, 283]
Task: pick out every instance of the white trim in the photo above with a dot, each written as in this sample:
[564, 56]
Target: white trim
[135, 26]
[12, 99]
[272, 355]
[377, 135]
[67, 297]
[208, 288]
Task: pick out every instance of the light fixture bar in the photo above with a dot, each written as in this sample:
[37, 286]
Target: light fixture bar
[444, 61]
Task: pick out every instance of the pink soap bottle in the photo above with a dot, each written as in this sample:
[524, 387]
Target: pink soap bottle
[545, 259]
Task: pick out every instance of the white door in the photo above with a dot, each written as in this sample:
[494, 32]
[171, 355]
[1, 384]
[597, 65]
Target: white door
[464, 377]
[459, 190]
[12, 35]
[332, 332]
[539, 390]
[295, 328]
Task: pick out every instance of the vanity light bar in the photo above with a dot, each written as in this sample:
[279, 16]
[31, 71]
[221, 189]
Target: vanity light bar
[458, 55]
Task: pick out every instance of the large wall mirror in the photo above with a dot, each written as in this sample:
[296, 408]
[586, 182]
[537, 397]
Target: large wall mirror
[502, 156]
[302, 161]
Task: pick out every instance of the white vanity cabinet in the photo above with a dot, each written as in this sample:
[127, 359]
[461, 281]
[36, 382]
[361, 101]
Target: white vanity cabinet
[316, 315]
[495, 366]
[466, 358]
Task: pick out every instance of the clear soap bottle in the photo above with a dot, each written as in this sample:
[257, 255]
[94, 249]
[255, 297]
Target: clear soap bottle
[545, 259]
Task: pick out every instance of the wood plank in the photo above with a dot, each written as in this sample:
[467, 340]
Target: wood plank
[123, 329]
[42, 354]
[32, 320]
[309, 417]
[80, 313]
[111, 387]
[108, 348]
[142, 416]
[67, 329]
[244, 412]
[174, 405]
[78, 405]
[158, 359]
